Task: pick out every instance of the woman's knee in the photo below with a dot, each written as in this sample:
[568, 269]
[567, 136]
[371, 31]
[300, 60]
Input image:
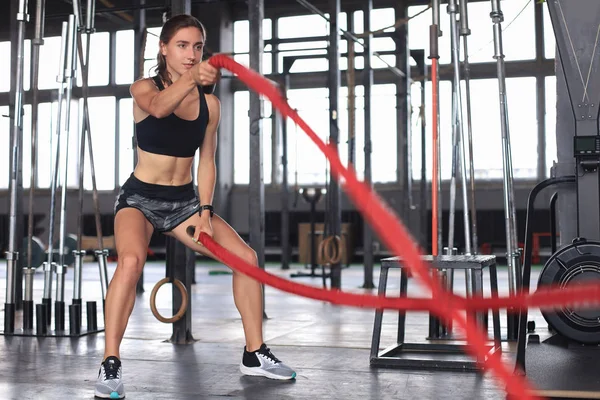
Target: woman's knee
[249, 255]
[130, 266]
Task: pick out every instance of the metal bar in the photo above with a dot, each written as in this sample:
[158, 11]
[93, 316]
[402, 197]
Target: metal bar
[458, 126]
[367, 80]
[403, 116]
[509, 205]
[436, 181]
[256, 186]
[540, 89]
[334, 78]
[465, 32]
[139, 34]
[37, 42]
[70, 68]
[12, 254]
[351, 85]
[285, 190]
[50, 265]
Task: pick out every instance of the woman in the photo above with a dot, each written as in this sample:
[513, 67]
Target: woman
[173, 119]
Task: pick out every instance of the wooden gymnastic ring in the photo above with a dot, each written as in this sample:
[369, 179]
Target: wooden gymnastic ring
[184, 301]
[329, 245]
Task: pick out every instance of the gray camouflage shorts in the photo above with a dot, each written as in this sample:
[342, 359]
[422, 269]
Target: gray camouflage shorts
[165, 207]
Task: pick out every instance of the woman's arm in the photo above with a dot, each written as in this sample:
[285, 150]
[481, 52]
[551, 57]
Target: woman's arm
[207, 169]
[160, 103]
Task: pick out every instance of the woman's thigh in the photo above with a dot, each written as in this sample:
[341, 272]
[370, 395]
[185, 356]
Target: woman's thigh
[223, 234]
[132, 233]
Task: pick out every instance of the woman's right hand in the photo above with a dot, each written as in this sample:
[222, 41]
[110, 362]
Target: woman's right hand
[205, 74]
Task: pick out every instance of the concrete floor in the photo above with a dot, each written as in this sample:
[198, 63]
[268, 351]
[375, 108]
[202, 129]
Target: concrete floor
[327, 345]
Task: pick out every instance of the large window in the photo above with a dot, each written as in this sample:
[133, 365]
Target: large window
[241, 44]
[126, 131]
[518, 31]
[551, 150]
[102, 124]
[486, 130]
[5, 66]
[98, 66]
[125, 57]
[306, 163]
[241, 136]
[4, 147]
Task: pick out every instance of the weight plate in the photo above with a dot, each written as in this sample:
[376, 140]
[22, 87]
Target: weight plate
[571, 266]
[69, 245]
[38, 252]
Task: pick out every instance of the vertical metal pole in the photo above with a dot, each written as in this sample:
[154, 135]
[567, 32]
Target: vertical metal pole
[459, 134]
[50, 265]
[12, 254]
[458, 122]
[423, 183]
[285, 190]
[351, 85]
[540, 82]
[28, 270]
[509, 205]
[256, 187]
[436, 180]
[61, 268]
[403, 112]
[367, 79]
[334, 83]
[465, 31]
[138, 65]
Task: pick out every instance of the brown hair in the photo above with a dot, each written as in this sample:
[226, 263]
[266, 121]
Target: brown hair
[169, 29]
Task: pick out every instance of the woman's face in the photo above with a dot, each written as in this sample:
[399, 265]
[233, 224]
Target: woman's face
[183, 51]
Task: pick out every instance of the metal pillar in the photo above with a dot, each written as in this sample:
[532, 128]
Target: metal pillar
[177, 255]
[139, 45]
[334, 217]
[285, 190]
[367, 80]
[256, 188]
[12, 254]
[512, 250]
[403, 106]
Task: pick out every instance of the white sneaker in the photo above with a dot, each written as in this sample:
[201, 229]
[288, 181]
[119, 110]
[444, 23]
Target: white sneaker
[109, 385]
[263, 363]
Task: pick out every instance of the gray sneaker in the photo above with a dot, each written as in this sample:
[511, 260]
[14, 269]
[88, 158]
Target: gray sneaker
[263, 363]
[109, 384]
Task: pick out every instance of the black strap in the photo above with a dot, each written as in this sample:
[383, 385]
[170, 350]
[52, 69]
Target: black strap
[158, 82]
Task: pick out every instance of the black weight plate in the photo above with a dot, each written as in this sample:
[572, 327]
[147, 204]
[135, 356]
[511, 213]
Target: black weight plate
[575, 264]
[38, 253]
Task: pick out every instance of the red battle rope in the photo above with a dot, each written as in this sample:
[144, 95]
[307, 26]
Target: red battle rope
[394, 235]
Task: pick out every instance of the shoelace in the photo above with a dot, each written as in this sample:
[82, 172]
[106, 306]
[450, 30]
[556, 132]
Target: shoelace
[267, 353]
[112, 372]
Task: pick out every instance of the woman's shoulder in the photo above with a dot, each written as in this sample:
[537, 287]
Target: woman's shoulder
[142, 84]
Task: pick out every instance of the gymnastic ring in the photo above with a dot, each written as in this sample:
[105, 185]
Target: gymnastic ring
[184, 301]
[329, 245]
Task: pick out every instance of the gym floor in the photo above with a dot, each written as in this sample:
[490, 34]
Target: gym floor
[327, 345]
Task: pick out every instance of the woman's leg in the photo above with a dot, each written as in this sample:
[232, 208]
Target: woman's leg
[132, 236]
[247, 292]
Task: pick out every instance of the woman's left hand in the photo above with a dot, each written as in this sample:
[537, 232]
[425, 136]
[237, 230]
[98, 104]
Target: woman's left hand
[203, 226]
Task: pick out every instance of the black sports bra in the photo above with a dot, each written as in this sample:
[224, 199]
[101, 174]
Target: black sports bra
[171, 135]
